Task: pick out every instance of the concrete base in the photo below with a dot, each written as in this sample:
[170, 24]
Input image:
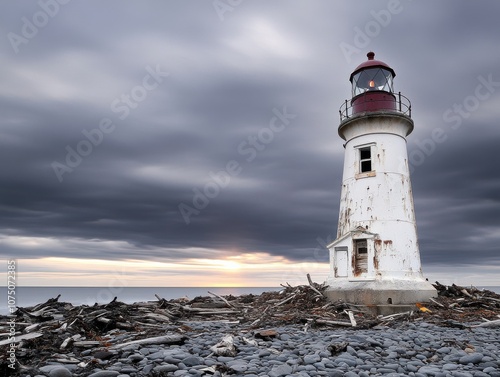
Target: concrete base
[381, 296]
[385, 309]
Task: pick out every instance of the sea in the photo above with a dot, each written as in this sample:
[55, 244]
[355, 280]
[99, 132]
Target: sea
[31, 296]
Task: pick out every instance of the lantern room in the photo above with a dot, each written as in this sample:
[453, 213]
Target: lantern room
[372, 86]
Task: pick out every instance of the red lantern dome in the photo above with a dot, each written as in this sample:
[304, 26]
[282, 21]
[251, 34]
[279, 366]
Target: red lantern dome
[372, 86]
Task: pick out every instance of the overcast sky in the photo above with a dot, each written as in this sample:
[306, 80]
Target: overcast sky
[192, 142]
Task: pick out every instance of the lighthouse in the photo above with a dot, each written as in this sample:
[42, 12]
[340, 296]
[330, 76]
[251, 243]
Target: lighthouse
[375, 258]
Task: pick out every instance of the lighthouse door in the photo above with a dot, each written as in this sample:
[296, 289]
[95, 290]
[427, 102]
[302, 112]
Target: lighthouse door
[341, 265]
[360, 257]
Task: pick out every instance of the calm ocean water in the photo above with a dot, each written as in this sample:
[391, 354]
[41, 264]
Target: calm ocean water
[30, 296]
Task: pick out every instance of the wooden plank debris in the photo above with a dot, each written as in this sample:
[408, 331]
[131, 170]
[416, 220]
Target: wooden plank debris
[19, 338]
[165, 339]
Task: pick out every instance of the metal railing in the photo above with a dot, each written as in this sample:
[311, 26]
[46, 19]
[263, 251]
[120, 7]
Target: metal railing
[402, 105]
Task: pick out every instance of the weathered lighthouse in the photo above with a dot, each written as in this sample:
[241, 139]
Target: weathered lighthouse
[375, 258]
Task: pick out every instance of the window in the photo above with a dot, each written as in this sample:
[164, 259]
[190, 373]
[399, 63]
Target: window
[365, 159]
[361, 246]
[372, 79]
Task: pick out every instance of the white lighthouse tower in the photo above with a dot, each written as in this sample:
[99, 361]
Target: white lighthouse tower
[375, 258]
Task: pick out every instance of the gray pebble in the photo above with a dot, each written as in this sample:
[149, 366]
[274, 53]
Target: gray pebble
[385, 370]
[481, 374]
[450, 366]
[238, 367]
[156, 355]
[349, 362]
[311, 359]
[461, 374]
[135, 358]
[280, 370]
[47, 368]
[284, 337]
[165, 368]
[351, 374]
[473, 358]
[489, 370]
[105, 373]
[444, 350]
[226, 359]
[191, 361]
[60, 372]
[147, 369]
[264, 353]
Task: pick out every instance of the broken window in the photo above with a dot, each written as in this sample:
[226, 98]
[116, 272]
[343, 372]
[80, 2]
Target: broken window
[365, 159]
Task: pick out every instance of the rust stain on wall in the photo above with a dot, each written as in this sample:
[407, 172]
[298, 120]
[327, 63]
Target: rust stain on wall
[356, 271]
[375, 262]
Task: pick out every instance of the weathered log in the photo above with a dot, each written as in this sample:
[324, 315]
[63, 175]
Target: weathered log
[311, 284]
[49, 302]
[165, 339]
[207, 311]
[32, 327]
[291, 297]
[351, 318]
[495, 323]
[437, 303]
[17, 339]
[392, 316]
[87, 343]
[158, 317]
[209, 305]
[104, 320]
[492, 298]
[465, 292]
[223, 299]
[69, 341]
[216, 312]
[40, 315]
[65, 360]
[333, 323]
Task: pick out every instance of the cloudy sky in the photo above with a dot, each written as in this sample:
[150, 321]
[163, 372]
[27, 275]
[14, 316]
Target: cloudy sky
[191, 142]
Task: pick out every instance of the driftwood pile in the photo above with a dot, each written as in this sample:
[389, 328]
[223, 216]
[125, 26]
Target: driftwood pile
[52, 331]
[459, 307]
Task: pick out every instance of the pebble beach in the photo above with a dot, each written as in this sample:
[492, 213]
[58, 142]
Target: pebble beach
[410, 349]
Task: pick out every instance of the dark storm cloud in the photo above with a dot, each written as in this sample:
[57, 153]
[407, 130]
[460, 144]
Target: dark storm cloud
[226, 80]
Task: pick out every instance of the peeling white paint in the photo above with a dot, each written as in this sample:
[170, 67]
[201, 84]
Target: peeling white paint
[376, 205]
